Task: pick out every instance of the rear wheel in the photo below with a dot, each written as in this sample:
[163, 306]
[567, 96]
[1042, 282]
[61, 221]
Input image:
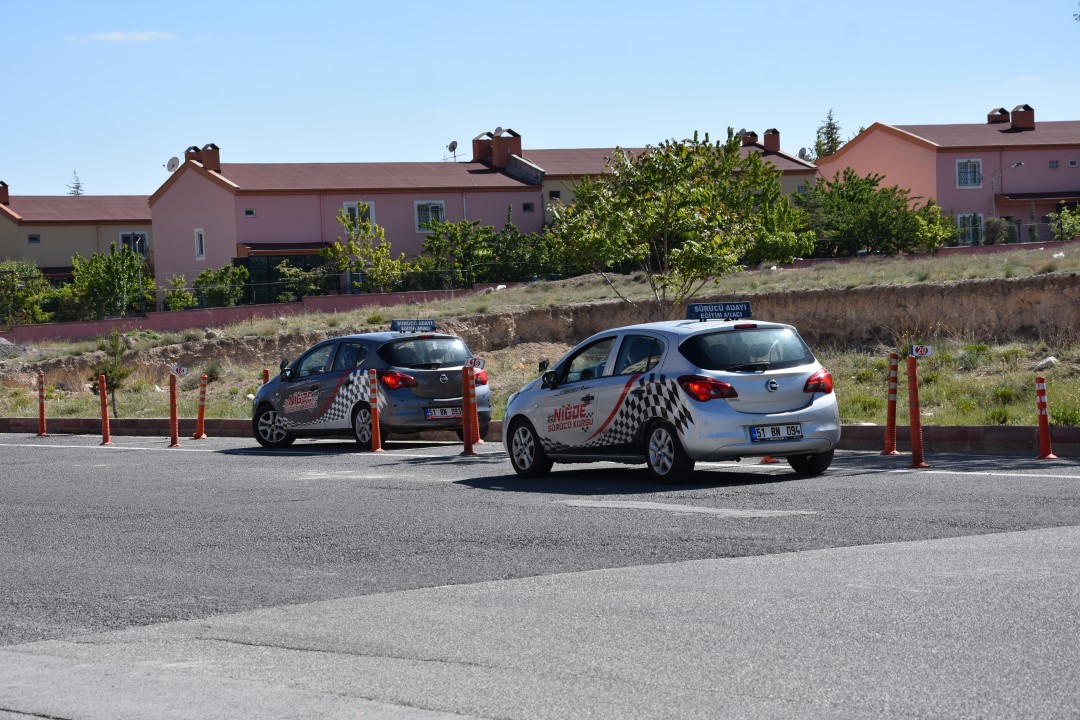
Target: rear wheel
[268, 429]
[361, 425]
[526, 454]
[810, 463]
[668, 462]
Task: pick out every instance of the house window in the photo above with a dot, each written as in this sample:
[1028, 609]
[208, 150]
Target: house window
[137, 242]
[971, 229]
[200, 244]
[249, 212]
[1053, 164]
[429, 211]
[554, 195]
[34, 239]
[352, 209]
[528, 207]
[969, 173]
[1074, 163]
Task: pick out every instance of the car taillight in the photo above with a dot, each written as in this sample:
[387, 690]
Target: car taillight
[706, 388]
[394, 379]
[821, 382]
[481, 377]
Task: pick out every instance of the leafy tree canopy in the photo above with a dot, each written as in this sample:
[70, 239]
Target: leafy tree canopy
[108, 284]
[683, 212]
[21, 289]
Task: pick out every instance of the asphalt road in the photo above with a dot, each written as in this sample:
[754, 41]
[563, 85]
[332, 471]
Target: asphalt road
[222, 580]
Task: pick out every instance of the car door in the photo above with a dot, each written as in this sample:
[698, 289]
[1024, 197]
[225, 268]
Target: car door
[310, 392]
[568, 410]
[623, 398]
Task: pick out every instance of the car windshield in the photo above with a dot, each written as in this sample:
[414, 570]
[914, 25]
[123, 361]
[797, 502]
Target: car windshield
[428, 353]
[750, 349]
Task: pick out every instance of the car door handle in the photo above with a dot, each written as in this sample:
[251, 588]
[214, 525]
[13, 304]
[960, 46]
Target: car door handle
[587, 399]
[637, 392]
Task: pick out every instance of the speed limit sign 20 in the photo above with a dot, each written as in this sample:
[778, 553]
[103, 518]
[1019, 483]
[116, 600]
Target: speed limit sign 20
[919, 351]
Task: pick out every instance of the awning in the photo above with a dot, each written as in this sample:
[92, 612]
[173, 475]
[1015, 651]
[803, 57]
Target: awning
[1057, 196]
[254, 249]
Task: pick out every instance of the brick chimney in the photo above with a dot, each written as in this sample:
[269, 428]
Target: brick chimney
[1023, 117]
[504, 145]
[749, 137]
[481, 148]
[772, 140]
[193, 153]
[5, 199]
[211, 157]
[997, 115]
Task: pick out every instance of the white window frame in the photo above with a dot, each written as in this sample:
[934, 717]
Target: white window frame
[249, 212]
[977, 170]
[352, 209]
[978, 226]
[417, 204]
[1074, 163]
[144, 246]
[200, 244]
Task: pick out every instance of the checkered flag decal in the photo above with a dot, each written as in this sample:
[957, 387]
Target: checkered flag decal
[652, 396]
[345, 397]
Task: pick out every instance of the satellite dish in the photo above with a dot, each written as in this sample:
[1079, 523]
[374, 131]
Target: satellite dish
[172, 164]
[452, 146]
[498, 131]
[803, 154]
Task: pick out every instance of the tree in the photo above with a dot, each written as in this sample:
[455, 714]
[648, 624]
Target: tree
[22, 287]
[223, 287]
[828, 139]
[851, 214]
[111, 366]
[109, 283]
[457, 251]
[178, 297]
[683, 212]
[1065, 224]
[365, 253]
[75, 186]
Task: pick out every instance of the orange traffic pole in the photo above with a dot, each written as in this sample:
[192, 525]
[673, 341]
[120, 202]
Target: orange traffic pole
[890, 415]
[917, 460]
[376, 433]
[475, 423]
[1045, 451]
[105, 439]
[200, 433]
[174, 431]
[41, 405]
[768, 460]
[468, 403]
[266, 375]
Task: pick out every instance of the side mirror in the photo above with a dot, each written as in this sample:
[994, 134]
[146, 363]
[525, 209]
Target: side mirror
[549, 379]
[287, 374]
[283, 365]
[544, 365]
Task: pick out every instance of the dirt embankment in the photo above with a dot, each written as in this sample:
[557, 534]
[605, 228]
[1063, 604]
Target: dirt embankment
[1041, 307]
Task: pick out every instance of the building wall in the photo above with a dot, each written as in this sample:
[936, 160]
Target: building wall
[192, 202]
[901, 162]
[60, 242]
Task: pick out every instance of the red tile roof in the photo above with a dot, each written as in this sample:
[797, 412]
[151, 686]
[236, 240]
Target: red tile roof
[79, 208]
[312, 177]
[591, 161]
[1063, 132]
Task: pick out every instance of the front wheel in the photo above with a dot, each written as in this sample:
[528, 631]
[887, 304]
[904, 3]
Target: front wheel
[268, 429]
[668, 462]
[526, 454]
[810, 463]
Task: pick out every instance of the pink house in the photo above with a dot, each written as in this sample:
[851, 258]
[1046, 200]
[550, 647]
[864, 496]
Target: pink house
[209, 212]
[1008, 167]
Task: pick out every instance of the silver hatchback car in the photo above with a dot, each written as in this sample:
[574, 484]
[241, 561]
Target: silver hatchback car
[326, 390]
[669, 394]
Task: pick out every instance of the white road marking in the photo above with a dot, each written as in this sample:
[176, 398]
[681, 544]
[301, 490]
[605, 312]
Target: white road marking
[666, 507]
[979, 473]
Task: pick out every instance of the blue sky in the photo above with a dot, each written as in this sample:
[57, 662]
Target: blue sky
[112, 89]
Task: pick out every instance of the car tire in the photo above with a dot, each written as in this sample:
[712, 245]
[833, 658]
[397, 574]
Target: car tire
[526, 454]
[810, 464]
[266, 426]
[361, 426]
[668, 462]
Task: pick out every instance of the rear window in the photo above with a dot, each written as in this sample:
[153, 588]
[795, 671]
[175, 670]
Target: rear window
[749, 349]
[428, 353]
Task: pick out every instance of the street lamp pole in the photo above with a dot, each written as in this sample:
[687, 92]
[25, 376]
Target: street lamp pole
[993, 187]
[137, 242]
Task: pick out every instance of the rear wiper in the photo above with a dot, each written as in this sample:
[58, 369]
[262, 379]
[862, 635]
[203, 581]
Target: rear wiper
[762, 365]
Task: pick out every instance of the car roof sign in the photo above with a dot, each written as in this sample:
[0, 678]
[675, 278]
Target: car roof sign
[412, 326]
[718, 311]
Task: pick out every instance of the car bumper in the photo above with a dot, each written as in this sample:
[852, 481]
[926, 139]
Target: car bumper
[728, 436]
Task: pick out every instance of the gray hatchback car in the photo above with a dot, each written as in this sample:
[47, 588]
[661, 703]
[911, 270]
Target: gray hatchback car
[325, 391]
